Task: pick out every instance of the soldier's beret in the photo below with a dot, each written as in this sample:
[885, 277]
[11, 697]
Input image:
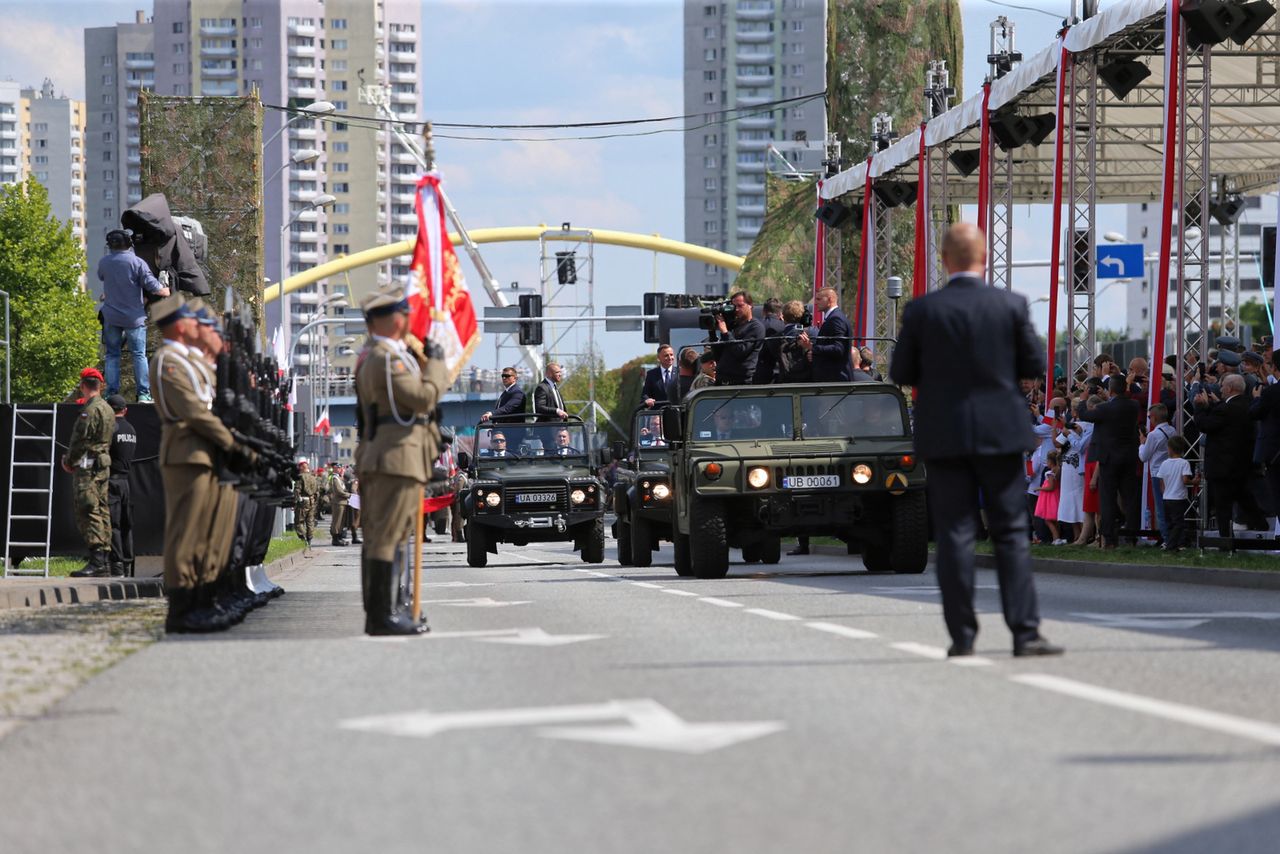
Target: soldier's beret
[170, 309]
[380, 303]
[1252, 357]
[1229, 357]
[1227, 342]
[93, 373]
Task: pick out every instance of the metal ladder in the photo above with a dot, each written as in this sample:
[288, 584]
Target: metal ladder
[29, 495]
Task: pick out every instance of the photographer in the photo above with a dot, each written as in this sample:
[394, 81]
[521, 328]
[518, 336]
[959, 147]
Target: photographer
[125, 280]
[739, 348]
[793, 360]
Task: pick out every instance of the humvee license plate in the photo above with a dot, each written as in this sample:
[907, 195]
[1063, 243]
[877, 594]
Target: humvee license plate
[811, 481]
[535, 497]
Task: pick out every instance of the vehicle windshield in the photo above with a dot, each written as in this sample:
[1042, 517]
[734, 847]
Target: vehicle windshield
[720, 419]
[531, 441]
[859, 414]
[648, 430]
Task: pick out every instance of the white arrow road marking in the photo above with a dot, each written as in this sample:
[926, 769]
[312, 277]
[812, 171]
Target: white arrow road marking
[649, 724]
[459, 584]
[721, 603]
[1171, 621]
[479, 602]
[1113, 262]
[770, 615]
[1203, 718]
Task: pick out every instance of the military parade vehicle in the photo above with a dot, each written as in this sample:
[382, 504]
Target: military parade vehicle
[753, 464]
[642, 494]
[534, 482]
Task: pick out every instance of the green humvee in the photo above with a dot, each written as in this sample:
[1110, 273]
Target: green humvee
[534, 482]
[753, 464]
[642, 494]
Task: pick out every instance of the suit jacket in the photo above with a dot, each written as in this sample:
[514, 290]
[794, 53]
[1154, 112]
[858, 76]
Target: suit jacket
[1266, 409]
[738, 352]
[831, 362]
[767, 363]
[546, 400]
[965, 348]
[510, 402]
[656, 389]
[1115, 430]
[1229, 434]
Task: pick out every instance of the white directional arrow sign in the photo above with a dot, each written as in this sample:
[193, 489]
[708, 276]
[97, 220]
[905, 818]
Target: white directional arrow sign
[649, 724]
[514, 637]
[479, 602]
[1108, 261]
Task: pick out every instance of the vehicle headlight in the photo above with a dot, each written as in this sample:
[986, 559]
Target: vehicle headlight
[862, 473]
[661, 491]
[493, 499]
[759, 478]
[577, 496]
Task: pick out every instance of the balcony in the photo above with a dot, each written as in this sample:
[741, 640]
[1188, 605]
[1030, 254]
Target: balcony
[296, 132]
[755, 10]
[756, 122]
[76, 198]
[302, 50]
[305, 172]
[744, 187]
[133, 139]
[754, 79]
[404, 56]
[140, 64]
[404, 97]
[218, 51]
[302, 195]
[306, 257]
[302, 91]
[751, 100]
[302, 71]
[77, 231]
[752, 144]
[217, 29]
[757, 56]
[753, 36]
[132, 120]
[307, 215]
[219, 89]
[403, 157]
[405, 219]
[134, 160]
[9, 134]
[296, 29]
[403, 37]
[748, 231]
[8, 151]
[308, 236]
[750, 168]
[750, 210]
[218, 72]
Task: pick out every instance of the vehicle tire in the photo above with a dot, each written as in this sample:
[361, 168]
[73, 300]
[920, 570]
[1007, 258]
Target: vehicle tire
[684, 567]
[593, 544]
[641, 543]
[909, 536]
[876, 558]
[625, 542]
[771, 550]
[708, 543]
[477, 545]
[751, 553]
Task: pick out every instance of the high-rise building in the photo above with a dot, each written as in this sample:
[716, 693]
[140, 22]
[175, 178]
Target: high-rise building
[55, 127]
[293, 53]
[12, 133]
[738, 55]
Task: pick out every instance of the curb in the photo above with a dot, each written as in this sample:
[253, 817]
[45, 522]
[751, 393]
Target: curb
[1249, 579]
[48, 592]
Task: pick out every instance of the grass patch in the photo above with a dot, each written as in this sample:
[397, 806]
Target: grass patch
[283, 546]
[61, 566]
[1208, 559]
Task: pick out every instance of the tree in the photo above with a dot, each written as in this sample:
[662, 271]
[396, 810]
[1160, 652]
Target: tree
[54, 325]
[1255, 314]
[617, 390]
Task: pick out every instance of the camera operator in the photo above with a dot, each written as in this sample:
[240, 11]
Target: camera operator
[739, 348]
[126, 280]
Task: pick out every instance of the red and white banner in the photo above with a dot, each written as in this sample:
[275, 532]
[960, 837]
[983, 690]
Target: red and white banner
[440, 307]
[322, 427]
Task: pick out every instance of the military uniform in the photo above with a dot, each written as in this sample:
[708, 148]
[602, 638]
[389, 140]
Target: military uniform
[397, 392]
[338, 495]
[89, 456]
[306, 492]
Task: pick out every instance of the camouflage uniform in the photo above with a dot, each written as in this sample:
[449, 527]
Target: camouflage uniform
[306, 492]
[89, 455]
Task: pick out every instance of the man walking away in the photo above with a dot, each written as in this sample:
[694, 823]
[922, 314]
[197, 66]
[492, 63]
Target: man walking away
[125, 280]
[972, 430]
[88, 460]
[124, 444]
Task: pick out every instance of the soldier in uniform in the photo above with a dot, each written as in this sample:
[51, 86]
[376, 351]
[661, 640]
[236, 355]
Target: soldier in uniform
[397, 390]
[88, 460]
[193, 443]
[306, 491]
[338, 495]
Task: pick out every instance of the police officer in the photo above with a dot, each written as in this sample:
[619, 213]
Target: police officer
[338, 495]
[124, 444]
[306, 491]
[193, 443]
[397, 390]
[88, 460]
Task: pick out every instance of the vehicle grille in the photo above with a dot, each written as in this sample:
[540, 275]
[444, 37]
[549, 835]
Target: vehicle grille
[779, 472]
[786, 449]
[559, 490]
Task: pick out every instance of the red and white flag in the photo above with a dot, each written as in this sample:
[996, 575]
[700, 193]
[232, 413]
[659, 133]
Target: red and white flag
[322, 423]
[440, 307]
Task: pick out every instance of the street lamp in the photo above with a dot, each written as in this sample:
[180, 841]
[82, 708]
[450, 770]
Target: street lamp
[323, 200]
[310, 111]
[299, 157]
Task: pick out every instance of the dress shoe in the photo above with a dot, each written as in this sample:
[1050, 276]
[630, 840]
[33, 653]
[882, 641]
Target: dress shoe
[1039, 646]
[958, 651]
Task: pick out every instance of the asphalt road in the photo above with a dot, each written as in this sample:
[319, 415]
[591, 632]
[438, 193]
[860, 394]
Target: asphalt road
[562, 707]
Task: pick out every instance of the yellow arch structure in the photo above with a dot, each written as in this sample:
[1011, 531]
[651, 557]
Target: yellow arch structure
[649, 242]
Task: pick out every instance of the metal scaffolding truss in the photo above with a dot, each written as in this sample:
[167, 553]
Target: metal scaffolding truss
[882, 229]
[1082, 204]
[1000, 219]
[939, 212]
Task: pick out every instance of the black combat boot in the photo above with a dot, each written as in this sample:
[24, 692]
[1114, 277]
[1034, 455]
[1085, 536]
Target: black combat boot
[96, 566]
[355, 537]
[186, 615]
[381, 617]
[117, 569]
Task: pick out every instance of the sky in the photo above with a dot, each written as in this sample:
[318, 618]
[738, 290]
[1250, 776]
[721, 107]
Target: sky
[533, 61]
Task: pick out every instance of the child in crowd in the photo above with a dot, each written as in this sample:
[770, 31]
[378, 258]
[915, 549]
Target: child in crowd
[1047, 503]
[1175, 474]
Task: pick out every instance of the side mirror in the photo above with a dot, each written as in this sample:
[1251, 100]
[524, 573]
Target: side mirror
[464, 460]
[619, 450]
[673, 424]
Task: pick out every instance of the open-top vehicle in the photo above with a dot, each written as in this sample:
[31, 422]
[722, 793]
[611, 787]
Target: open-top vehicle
[753, 464]
[642, 495]
[534, 481]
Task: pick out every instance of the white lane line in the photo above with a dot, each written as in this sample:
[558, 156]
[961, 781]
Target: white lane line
[597, 574]
[723, 603]
[772, 615]
[679, 592]
[843, 631]
[935, 652]
[647, 585]
[1203, 718]
[970, 661]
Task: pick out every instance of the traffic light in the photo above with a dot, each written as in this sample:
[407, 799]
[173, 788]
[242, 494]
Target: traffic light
[566, 268]
[531, 330]
[1081, 260]
[653, 303]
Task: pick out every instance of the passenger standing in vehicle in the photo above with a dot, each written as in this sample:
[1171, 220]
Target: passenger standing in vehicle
[547, 403]
[659, 382]
[739, 348]
[971, 428]
[511, 401]
[767, 365]
[830, 350]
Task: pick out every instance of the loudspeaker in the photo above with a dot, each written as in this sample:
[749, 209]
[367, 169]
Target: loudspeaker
[1123, 76]
[531, 330]
[833, 214]
[1210, 22]
[1226, 211]
[1010, 131]
[896, 194]
[966, 160]
[566, 268]
[1256, 14]
[1042, 126]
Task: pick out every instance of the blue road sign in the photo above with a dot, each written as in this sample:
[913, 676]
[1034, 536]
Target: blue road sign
[1120, 261]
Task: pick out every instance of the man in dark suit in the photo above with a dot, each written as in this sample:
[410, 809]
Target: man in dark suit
[830, 351]
[511, 401]
[739, 348]
[1228, 453]
[660, 382]
[767, 365]
[971, 428]
[548, 405]
[1266, 410]
[1115, 435]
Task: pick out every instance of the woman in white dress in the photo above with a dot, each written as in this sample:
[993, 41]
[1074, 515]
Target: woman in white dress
[1071, 495]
